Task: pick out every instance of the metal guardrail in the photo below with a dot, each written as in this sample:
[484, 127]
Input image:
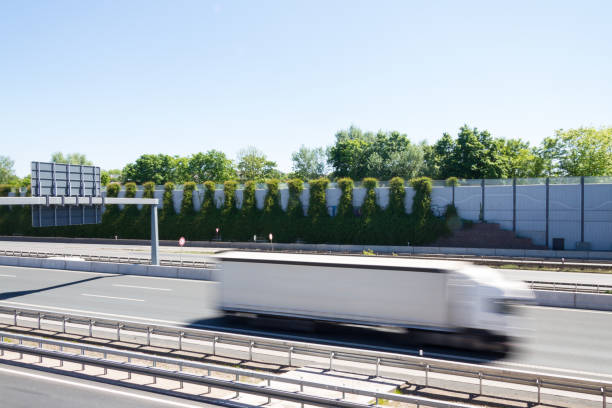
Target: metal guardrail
[108, 258]
[207, 380]
[335, 354]
[571, 287]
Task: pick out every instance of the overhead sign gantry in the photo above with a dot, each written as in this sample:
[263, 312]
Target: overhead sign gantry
[68, 194]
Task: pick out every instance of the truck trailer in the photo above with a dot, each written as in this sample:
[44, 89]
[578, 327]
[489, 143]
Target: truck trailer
[437, 301]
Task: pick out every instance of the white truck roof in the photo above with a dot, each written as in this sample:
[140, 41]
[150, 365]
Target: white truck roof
[343, 261]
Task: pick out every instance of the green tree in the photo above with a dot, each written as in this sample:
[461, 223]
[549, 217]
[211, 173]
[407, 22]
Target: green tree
[254, 165]
[7, 173]
[159, 168]
[585, 151]
[308, 163]
[392, 155]
[348, 156]
[71, 158]
[519, 159]
[384, 155]
[210, 166]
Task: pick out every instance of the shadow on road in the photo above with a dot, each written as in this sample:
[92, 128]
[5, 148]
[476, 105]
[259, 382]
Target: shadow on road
[10, 295]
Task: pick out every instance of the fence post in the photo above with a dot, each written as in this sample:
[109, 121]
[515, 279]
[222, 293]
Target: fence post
[581, 208]
[514, 204]
[482, 200]
[547, 208]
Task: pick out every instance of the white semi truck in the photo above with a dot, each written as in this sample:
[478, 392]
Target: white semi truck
[442, 302]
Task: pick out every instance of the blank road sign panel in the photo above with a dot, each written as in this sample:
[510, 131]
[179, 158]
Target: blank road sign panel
[65, 180]
[56, 180]
[57, 216]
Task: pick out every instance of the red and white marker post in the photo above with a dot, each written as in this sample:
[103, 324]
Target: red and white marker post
[181, 243]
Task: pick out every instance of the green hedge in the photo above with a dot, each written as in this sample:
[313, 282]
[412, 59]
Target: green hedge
[370, 224]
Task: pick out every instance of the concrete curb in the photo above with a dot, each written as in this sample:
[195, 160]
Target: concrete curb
[574, 300]
[106, 267]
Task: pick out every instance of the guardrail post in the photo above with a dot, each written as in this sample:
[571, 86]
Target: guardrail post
[480, 383]
[181, 334]
[331, 360]
[251, 350]
[129, 371]
[148, 336]
[39, 318]
[603, 396]
[82, 364]
[1, 349]
[15, 318]
[377, 366]
[427, 375]
[301, 390]
[237, 380]
[269, 398]
[214, 350]
[539, 389]
[91, 323]
[208, 375]
[290, 355]
[154, 376]
[20, 353]
[180, 370]
[118, 331]
[64, 324]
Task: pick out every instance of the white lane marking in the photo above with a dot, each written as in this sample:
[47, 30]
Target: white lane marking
[140, 287]
[47, 307]
[98, 388]
[112, 297]
[8, 276]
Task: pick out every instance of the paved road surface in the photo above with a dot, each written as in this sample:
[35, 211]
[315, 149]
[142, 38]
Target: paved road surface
[29, 388]
[562, 338]
[198, 253]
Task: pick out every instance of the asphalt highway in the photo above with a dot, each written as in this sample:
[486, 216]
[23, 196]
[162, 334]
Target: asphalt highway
[22, 387]
[577, 341]
[200, 253]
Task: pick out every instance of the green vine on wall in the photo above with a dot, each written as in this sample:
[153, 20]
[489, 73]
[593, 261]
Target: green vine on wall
[374, 225]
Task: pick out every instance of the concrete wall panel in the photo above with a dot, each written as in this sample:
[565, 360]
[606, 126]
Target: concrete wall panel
[467, 201]
[440, 198]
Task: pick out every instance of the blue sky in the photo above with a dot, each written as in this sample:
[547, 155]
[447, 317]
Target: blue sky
[116, 79]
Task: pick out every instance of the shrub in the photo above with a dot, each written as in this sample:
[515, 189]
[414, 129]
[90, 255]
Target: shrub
[345, 206]
[229, 190]
[168, 199]
[451, 182]
[294, 204]
[318, 230]
[208, 218]
[187, 203]
[397, 196]
[317, 206]
[130, 189]
[369, 207]
[421, 203]
[149, 189]
[272, 200]
[112, 190]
